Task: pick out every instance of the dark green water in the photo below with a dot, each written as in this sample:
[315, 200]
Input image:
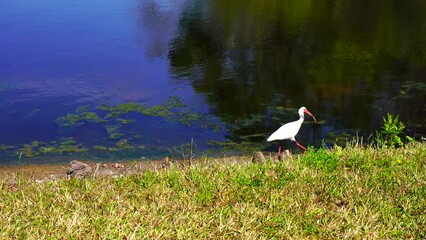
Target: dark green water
[350, 62]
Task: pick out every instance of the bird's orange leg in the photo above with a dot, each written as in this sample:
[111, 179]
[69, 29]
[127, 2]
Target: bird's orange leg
[300, 145]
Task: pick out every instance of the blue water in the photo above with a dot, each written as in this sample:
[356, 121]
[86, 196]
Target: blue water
[56, 56]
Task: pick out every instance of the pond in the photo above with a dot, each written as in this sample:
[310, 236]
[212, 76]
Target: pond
[115, 80]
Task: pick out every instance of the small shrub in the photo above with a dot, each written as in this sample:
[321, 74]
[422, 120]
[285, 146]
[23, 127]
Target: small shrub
[390, 134]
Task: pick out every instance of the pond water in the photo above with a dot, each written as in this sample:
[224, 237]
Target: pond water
[110, 80]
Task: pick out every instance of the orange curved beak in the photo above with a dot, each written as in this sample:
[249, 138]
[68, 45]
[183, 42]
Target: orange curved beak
[310, 114]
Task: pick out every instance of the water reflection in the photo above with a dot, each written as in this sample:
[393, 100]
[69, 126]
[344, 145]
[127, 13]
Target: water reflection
[346, 60]
[157, 22]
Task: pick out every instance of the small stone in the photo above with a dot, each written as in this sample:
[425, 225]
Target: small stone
[276, 157]
[285, 154]
[166, 162]
[78, 169]
[258, 158]
[12, 184]
[118, 165]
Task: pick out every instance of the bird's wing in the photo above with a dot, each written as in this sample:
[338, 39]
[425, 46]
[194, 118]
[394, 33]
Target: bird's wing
[286, 131]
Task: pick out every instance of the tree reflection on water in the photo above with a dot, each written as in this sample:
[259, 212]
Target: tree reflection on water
[346, 60]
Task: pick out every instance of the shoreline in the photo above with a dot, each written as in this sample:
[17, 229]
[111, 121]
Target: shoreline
[42, 172]
[48, 172]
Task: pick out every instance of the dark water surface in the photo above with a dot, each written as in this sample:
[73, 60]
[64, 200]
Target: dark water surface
[203, 74]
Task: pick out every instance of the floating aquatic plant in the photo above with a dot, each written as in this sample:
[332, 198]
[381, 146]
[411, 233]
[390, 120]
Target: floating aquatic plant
[156, 111]
[120, 145]
[114, 117]
[249, 122]
[207, 121]
[110, 113]
[5, 147]
[70, 145]
[114, 131]
[124, 144]
[125, 121]
[410, 90]
[119, 121]
[117, 111]
[174, 102]
[65, 145]
[80, 116]
[103, 148]
[187, 116]
[29, 150]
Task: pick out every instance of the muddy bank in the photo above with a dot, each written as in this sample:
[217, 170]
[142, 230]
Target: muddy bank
[42, 172]
[84, 168]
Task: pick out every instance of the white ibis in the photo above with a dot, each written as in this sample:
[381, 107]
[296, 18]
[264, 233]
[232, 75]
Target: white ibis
[290, 130]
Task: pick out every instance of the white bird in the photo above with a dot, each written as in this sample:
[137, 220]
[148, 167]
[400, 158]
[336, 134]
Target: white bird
[290, 130]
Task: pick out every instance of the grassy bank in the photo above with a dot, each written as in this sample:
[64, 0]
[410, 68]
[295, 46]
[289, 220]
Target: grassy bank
[357, 192]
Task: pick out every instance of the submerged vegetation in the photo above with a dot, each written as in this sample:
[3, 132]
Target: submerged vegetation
[114, 118]
[118, 123]
[353, 192]
[116, 114]
[122, 130]
[65, 145]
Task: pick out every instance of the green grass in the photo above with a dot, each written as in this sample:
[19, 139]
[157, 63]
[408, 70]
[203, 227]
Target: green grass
[356, 192]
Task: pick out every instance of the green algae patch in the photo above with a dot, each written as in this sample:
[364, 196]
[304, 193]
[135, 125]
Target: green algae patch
[103, 148]
[78, 118]
[118, 120]
[5, 147]
[173, 109]
[114, 131]
[125, 121]
[64, 145]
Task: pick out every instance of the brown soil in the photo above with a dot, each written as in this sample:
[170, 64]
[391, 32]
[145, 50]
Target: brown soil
[45, 172]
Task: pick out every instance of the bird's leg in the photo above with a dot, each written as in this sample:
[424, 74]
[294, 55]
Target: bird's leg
[279, 150]
[300, 145]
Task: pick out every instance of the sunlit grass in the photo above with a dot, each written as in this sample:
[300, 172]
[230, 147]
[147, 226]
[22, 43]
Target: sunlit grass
[356, 192]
